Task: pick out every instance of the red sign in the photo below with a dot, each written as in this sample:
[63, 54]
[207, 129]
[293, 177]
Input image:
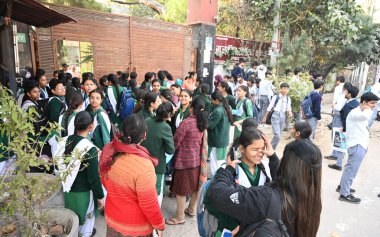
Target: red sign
[235, 48]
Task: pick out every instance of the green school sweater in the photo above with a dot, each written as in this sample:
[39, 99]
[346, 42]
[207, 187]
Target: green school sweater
[88, 176]
[56, 107]
[231, 101]
[207, 101]
[102, 132]
[159, 140]
[218, 128]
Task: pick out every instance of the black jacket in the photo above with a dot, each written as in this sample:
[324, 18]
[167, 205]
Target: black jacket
[246, 205]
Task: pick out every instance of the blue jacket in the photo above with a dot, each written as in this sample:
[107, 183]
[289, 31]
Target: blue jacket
[346, 110]
[238, 71]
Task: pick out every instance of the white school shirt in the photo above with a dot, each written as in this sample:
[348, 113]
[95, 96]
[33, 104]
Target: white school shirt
[265, 88]
[357, 131]
[338, 91]
[340, 103]
[284, 104]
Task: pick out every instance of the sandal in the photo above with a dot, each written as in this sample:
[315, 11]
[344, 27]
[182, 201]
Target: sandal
[188, 213]
[174, 221]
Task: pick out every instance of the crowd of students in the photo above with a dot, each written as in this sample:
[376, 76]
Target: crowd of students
[175, 129]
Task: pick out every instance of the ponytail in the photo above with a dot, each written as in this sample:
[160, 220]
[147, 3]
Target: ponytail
[112, 78]
[140, 100]
[198, 106]
[74, 101]
[217, 95]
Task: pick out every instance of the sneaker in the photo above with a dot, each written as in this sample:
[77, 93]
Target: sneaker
[350, 198]
[335, 167]
[351, 190]
[331, 157]
[93, 232]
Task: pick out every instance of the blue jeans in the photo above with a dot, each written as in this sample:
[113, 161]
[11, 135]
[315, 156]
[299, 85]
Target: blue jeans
[313, 121]
[264, 103]
[278, 123]
[355, 157]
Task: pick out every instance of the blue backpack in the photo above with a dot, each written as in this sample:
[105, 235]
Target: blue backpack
[127, 104]
[254, 108]
[207, 223]
[307, 106]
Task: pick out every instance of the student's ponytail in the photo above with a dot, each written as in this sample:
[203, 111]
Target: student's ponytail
[218, 96]
[198, 106]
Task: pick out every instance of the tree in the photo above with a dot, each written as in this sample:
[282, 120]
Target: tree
[335, 28]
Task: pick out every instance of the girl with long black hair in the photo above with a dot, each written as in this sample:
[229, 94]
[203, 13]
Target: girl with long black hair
[159, 142]
[151, 103]
[190, 169]
[226, 91]
[66, 120]
[243, 109]
[82, 188]
[219, 121]
[114, 92]
[293, 198]
[250, 149]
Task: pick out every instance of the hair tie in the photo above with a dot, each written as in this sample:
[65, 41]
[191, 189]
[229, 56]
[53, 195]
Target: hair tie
[202, 109]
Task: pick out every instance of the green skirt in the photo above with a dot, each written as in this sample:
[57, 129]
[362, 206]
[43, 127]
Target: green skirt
[78, 202]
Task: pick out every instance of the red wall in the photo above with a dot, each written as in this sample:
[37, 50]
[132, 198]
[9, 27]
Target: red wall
[202, 11]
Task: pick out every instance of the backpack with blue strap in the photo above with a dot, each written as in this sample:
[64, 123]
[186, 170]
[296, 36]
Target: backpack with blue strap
[254, 108]
[127, 104]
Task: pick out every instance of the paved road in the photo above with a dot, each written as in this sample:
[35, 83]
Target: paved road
[339, 219]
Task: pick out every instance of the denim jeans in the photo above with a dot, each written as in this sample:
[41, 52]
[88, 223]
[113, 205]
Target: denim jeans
[355, 157]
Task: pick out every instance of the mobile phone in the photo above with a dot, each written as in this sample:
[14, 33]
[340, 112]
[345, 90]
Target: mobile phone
[226, 233]
[234, 157]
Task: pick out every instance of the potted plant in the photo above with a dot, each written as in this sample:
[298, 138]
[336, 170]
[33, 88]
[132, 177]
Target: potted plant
[25, 197]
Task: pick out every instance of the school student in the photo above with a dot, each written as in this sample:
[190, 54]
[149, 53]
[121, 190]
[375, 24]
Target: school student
[114, 92]
[151, 103]
[66, 120]
[57, 104]
[127, 172]
[300, 130]
[190, 166]
[316, 104]
[42, 83]
[218, 131]
[147, 83]
[156, 85]
[265, 95]
[83, 193]
[101, 133]
[351, 103]
[253, 145]
[281, 106]
[183, 111]
[176, 92]
[226, 91]
[204, 90]
[89, 84]
[159, 141]
[243, 107]
[357, 137]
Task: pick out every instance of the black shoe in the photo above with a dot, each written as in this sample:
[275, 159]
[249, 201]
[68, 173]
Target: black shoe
[350, 198]
[351, 190]
[335, 167]
[378, 195]
[331, 157]
[329, 126]
[93, 232]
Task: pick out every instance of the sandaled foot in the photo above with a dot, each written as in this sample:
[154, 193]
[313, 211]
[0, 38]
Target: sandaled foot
[174, 221]
[190, 213]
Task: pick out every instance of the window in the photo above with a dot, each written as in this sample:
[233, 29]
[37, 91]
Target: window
[78, 55]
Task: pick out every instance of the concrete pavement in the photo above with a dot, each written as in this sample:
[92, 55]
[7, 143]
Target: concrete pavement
[338, 219]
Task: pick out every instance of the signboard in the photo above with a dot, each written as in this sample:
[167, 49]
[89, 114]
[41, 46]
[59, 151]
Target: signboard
[21, 38]
[242, 47]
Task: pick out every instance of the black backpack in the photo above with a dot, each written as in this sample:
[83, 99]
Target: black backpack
[272, 226]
